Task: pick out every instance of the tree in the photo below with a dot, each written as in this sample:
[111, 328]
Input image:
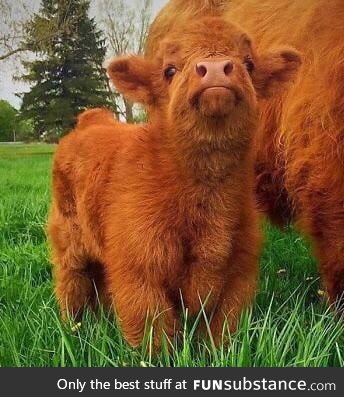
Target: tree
[8, 121]
[11, 28]
[14, 19]
[66, 76]
[25, 131]
[125, 27]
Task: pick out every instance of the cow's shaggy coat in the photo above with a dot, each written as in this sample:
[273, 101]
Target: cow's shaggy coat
[300, 170]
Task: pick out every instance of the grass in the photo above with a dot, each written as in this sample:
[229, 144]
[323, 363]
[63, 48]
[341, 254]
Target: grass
[290, 324]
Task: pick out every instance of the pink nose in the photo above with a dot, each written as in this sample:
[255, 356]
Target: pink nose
[214, 73]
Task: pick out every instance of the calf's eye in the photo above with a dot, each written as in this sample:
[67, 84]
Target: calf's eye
[169, 72]
[249, 64]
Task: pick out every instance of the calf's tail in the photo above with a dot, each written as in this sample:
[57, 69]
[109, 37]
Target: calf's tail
[95, 116]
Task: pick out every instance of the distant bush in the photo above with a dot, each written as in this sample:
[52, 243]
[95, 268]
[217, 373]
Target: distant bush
[25, 131]
[13, 127]
[8, 121]
[140, 117]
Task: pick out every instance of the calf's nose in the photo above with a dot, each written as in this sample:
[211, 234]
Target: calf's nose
[214, 72]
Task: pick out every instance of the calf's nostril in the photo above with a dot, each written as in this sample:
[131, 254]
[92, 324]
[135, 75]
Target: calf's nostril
[212, 68]
[201, 70]
[228, 68]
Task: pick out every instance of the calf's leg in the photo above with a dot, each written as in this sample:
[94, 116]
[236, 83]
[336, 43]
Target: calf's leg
[328, 237]
[75, 288]
[139, 302]
[225, 293]
[238, 293]
[230, 296]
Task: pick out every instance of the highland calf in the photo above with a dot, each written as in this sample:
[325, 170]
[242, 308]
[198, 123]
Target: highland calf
[160, 215]
[300, 145]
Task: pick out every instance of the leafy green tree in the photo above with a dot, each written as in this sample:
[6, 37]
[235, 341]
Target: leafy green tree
[8, 121]
[66, 75]
[25, 131]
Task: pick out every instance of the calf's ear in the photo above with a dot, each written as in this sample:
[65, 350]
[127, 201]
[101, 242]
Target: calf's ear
[275, 70]
[133, 78]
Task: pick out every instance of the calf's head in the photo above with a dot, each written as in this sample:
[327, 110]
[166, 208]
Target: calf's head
[206, 75]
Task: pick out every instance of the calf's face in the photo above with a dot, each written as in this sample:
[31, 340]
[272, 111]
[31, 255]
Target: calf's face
[207, 71]
[206, 74]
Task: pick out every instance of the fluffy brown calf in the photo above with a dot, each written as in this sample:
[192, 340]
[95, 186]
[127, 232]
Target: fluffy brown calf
[149, 213]
[300, 173]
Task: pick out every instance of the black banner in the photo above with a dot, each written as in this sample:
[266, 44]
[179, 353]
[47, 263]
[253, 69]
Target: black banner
[171, 382]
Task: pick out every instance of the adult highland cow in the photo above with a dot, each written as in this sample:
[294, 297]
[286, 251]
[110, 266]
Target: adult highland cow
[300, 161]
[149, 213]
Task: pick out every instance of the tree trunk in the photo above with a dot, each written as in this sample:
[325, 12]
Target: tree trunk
[129, 111]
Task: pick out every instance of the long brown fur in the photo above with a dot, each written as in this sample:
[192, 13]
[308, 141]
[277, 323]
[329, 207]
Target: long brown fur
[300, 173]
[161, 215]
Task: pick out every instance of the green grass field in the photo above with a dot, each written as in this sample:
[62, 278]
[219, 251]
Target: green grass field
[290, 325]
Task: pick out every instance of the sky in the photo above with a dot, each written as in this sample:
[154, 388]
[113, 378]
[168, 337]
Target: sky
[8, 87]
